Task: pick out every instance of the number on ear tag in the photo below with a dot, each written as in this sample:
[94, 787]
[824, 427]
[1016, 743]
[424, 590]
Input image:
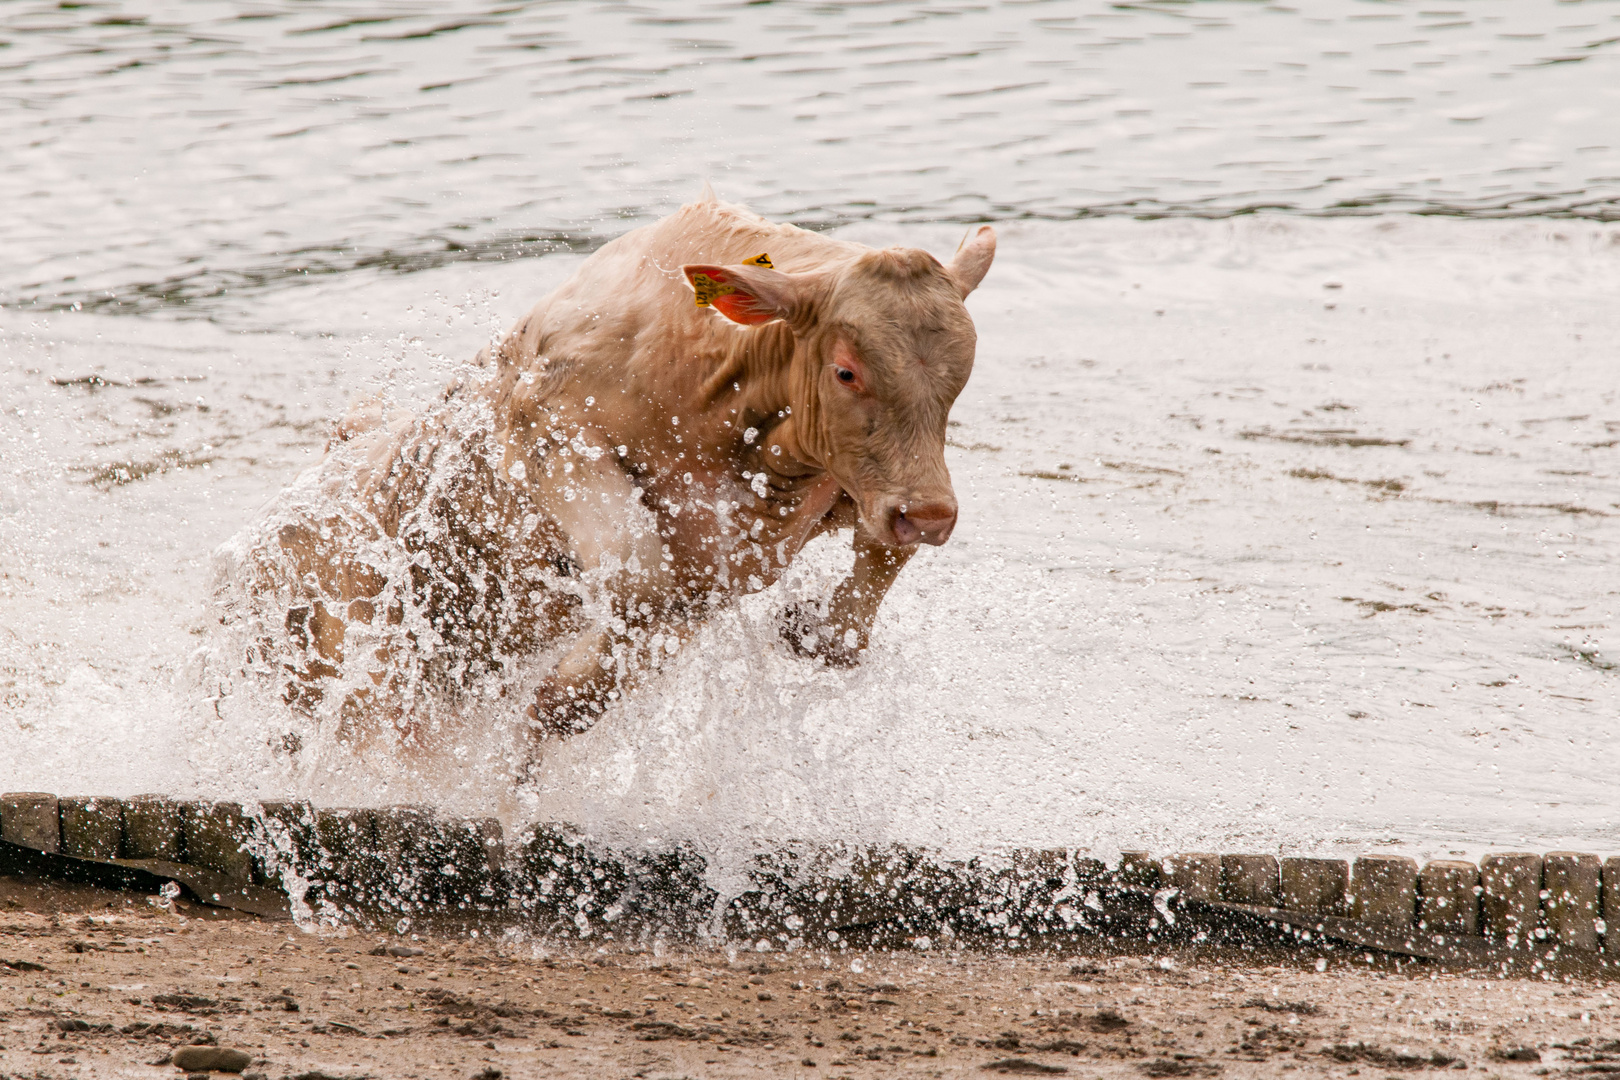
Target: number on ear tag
[706, 290]
[761, 259]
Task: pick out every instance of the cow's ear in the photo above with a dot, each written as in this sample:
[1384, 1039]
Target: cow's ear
[973, 258]
[749, 293]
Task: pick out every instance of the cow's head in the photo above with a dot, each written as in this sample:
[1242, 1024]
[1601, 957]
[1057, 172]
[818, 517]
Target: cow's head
[884, 346]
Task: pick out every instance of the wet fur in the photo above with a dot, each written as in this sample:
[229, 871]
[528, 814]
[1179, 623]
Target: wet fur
[554, 499]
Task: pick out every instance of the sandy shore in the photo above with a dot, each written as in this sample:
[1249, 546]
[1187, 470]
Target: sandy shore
[96, 983]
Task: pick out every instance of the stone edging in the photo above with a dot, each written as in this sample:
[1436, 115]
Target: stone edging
[382, 864]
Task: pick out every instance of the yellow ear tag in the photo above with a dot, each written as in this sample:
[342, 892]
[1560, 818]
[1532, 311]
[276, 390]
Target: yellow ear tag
[706, 290]
[761, 259]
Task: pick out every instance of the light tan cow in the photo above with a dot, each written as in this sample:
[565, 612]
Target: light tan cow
[662, 433]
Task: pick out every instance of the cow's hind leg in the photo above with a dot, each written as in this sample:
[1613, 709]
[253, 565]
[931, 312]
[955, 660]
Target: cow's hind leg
[606, 662]
[336, 591]
[614, 548]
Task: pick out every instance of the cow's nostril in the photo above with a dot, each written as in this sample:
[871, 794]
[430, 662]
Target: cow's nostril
[928, 523]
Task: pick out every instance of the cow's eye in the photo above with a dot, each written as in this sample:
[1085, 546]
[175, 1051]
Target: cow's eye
[845, 375]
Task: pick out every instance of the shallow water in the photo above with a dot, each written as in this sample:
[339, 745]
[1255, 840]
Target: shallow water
[1243, 561]
[1277, 532]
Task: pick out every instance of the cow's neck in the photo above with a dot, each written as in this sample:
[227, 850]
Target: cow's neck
[760, 384]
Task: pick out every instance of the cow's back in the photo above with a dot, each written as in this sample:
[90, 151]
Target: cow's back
[632, 288]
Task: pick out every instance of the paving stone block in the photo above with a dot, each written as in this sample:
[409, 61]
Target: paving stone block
[188, 809]
[1448, 898]
[668, 887]
[1611, 905]
[404, 831]
[1571, 890]
[31, 819]
[1032, 882]
[1251, 879]
[92, 827]
[1314, 886]
[1040, 864]
[471, 862]
[218, 838]
[1383, 891]
[410, 848]
[343, 833]
[1196, 874]
[152, 828]
[561, 879]
[348, 861]
[493, 839]
[1138, 868]
[1510, 906]
[289, 836]
[1089, 871]
[866, 894]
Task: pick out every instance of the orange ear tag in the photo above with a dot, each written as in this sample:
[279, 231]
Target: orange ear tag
[706, 290]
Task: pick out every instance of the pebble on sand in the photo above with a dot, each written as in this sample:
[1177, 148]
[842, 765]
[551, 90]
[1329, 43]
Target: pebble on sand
[194, 1059]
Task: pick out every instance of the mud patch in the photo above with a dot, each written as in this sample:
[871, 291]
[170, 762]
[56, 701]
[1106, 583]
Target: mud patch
[1267, 1041]
[195, 1004]
[1043, 474]
[1591, 657]
[175, 1033]
[118, 473]
[1377, 607]
[1322, 437]
[1180, 1065]
[1392, 487]
[483, 1019]
[1299, 1008]
[1362, 1053]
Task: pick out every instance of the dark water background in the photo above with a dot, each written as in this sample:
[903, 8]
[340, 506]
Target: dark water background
[158, 154]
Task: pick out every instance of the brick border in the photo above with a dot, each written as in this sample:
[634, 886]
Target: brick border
[383, 863]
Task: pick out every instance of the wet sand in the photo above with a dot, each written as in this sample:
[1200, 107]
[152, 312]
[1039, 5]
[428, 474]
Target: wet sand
[96, 983]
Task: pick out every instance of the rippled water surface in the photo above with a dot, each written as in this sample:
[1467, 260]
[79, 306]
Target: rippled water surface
[158, 153]
[1276, 531]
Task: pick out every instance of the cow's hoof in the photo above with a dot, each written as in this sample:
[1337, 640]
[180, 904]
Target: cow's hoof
[810, 635]
[557, 713]
[526, 771]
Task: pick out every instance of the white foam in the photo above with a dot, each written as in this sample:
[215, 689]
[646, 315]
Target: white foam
[1160, 622]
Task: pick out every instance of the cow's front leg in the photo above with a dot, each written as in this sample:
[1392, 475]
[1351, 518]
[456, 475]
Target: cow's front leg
[602, 666]
[613, 546]
[579, 690]
[839, 635]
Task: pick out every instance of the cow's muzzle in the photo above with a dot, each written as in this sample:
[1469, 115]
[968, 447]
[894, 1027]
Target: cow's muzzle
[921, 522]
